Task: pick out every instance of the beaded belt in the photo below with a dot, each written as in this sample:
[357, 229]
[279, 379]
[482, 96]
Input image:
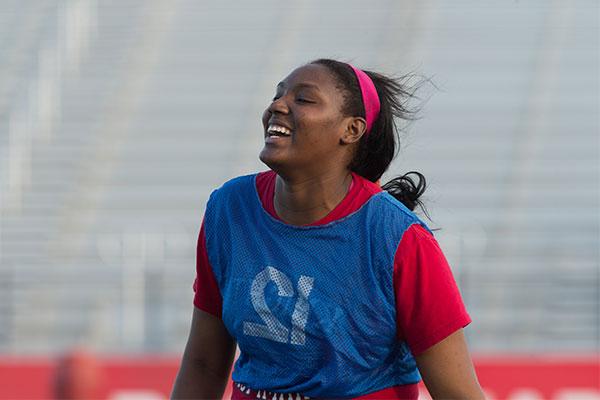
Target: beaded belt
[267, 395]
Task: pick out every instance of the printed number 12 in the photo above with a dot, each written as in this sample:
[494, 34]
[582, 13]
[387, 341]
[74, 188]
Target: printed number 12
[272, 328]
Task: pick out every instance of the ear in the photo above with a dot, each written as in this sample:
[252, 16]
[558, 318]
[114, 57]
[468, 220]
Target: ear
[355, 128]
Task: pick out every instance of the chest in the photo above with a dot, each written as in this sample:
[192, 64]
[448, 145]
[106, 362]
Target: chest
[305, 294]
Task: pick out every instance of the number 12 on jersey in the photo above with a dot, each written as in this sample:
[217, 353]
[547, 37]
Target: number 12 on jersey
[272, 328]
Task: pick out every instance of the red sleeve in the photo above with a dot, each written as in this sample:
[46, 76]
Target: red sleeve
[207, 295]
[429, 306]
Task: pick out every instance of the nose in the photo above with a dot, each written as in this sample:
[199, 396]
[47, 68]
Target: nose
[279, 105]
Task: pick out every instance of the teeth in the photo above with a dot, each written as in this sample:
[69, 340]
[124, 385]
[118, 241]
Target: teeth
[279, 129]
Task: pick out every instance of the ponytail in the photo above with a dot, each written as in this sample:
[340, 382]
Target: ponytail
[405, 190]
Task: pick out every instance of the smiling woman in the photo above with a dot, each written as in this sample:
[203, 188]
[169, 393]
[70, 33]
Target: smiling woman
[329, 284]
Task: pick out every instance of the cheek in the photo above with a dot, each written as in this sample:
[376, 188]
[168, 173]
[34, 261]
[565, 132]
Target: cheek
[265, 117]
[322, 131]
[316, 126]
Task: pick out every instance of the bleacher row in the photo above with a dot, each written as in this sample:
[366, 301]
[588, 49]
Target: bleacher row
[118, 118]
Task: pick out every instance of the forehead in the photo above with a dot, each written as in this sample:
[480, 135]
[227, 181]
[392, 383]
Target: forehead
[312, 75]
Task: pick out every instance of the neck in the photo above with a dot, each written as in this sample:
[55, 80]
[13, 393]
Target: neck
[304, 200]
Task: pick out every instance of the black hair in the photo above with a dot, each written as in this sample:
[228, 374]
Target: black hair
[376, 150]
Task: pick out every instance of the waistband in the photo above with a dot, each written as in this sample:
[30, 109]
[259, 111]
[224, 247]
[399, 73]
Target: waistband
[242, 392]
[399, 392]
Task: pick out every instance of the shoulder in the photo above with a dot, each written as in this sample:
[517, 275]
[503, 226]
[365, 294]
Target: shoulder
[394, 212]
[384, 203]
[233, 186]
[230, 202]
[233, 193]
[418, 239]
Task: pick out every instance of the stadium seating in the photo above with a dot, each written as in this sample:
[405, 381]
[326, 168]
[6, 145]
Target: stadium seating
[118, 118]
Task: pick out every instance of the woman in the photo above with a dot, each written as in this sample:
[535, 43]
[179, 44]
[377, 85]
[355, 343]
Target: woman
[331, 286]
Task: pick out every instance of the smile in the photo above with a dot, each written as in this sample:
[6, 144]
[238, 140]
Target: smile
[278, 130]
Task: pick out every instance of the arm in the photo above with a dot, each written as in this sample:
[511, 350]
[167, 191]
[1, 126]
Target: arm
[431, 315]
[206, 360]
[447, 369]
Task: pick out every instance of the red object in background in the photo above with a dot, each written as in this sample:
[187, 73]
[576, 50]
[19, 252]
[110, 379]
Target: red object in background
[78, 376]
[540, 376]
[151, 377]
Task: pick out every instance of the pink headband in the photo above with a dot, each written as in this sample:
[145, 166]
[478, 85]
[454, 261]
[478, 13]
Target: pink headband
[370, 97]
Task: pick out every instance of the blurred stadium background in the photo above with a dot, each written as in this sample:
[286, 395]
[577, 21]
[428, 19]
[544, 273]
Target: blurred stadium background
[118, 118]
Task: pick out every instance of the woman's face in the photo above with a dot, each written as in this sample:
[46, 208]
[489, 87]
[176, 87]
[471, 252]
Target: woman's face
[304, 124]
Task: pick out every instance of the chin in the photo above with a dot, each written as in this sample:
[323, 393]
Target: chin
[271, 160]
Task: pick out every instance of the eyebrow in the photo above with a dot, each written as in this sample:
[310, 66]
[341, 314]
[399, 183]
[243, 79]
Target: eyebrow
[300, 85]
